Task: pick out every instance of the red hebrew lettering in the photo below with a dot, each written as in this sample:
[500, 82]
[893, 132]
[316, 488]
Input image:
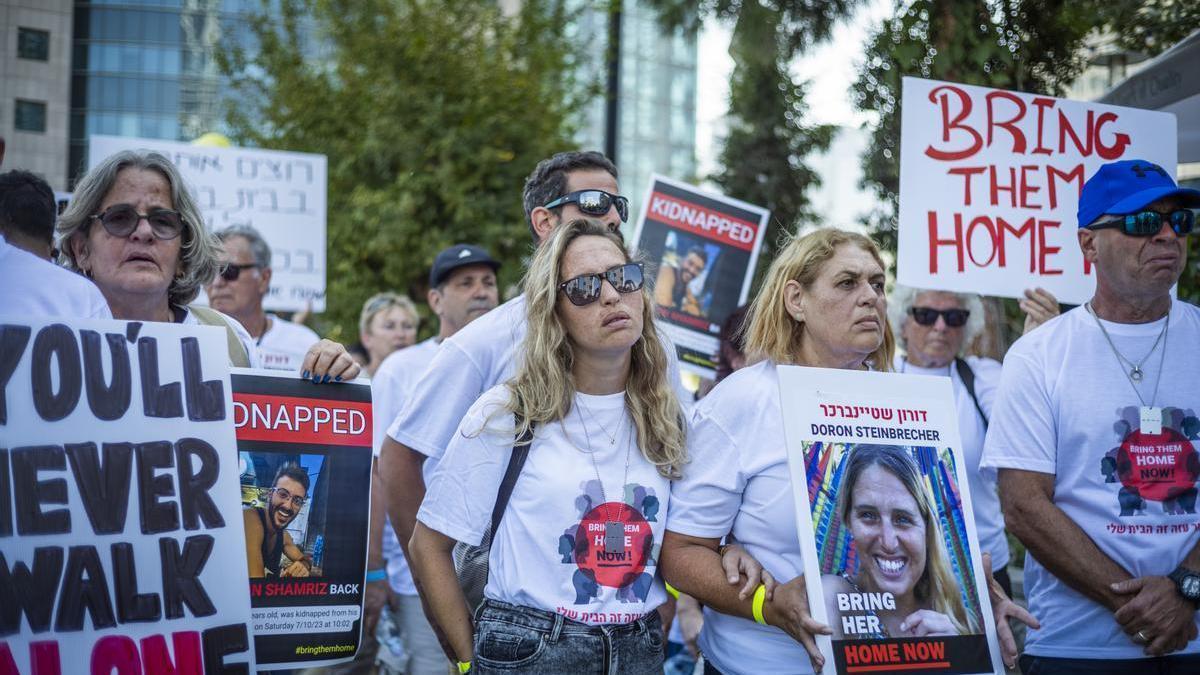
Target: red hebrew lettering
[948, 124]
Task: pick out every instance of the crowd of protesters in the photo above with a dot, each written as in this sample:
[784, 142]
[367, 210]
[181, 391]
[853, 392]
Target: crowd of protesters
[527, 439]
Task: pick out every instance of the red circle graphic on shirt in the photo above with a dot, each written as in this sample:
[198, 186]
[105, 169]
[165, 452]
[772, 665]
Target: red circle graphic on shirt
[615, 570]
[1159, 466]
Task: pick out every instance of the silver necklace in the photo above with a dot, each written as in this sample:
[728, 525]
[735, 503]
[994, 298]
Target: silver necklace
[614, 530]
[1134, 375]
[612, 438]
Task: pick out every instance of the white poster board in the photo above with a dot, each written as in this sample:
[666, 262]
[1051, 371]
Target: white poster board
[281, 194]
[866, 448]
[990, 182]
[120, 524]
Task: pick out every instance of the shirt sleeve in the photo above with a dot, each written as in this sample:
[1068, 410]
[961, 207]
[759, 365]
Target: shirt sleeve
[462, 490]
[383, 405]
[1022, 433]
[439, 402]
[706, 500]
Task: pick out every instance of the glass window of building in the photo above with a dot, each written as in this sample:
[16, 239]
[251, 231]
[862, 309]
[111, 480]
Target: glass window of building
[30, 116]
[33, 44]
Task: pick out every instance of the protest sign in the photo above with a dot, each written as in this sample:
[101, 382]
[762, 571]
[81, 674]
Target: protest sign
[305, 456]
[281, 194]
[119, 522]
[990, 182]
[885, 520]
[703, 247]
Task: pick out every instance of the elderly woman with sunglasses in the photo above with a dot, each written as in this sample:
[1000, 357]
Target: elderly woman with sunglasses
[934, 329]
[573, 579]
[135, 230]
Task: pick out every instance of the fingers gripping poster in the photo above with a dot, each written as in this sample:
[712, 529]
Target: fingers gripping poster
[892, 561]
[119, 523]
[304, 460]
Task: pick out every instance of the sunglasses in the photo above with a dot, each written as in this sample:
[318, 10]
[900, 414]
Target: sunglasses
[594, 202]
[120, 220]
[231, 272]
[927, 316]
[286, 496]
[585, 288]
[1148, 223]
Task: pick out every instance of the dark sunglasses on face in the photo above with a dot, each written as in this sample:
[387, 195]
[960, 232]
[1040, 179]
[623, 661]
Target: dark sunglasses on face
[231, 272]
[1148, 223]
[594, 202]
[585, 288]
[120, 220]
[927, 316]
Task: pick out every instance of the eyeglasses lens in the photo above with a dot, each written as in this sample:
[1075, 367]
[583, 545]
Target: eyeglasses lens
[626, 278]
[121, 220]
[927, 316]
[231, 273]
[286, 496]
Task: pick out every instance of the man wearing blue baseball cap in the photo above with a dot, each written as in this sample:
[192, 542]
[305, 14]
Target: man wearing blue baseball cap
[1095, 436]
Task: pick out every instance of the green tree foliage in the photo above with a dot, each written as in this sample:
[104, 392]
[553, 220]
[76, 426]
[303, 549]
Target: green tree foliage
[431, 115]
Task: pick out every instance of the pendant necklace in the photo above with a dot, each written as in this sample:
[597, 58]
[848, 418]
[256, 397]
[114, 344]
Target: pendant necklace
[612, 438]
[614, 530]
[1135, 373]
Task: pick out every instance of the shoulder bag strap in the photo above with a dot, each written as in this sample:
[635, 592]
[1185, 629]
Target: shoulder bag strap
[968, 378]
[516, 462]
[237, 351]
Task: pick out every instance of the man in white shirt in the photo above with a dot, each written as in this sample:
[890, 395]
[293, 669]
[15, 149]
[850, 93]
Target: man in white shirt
[32, 285]
[1094, 433]
[462, 288]
[238, 290]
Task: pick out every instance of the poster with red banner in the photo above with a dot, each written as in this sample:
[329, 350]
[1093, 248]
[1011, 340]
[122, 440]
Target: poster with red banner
[305, 456]
[702, 247]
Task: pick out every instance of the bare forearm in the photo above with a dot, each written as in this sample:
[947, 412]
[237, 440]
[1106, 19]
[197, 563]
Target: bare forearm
[446, 607]
[378, 516]
[695, 569]
[404, 488]
[1060, 545]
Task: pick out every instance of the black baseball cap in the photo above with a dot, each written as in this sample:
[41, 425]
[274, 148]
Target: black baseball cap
[459, 255]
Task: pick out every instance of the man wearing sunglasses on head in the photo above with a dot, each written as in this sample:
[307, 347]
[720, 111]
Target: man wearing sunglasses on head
[238, 290]
[1094, 434]
[267, 538]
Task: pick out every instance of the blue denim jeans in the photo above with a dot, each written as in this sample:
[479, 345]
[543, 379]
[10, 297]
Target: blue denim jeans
[512, 639]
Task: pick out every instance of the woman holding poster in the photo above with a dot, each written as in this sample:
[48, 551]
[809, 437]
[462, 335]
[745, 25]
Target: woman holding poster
[904, 586]
[822, 304]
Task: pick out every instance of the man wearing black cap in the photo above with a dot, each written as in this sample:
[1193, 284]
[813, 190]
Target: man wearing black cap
[1095, 434]
[462, 288]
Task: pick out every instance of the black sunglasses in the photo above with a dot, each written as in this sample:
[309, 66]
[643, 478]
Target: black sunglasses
[1148, 223]
[927, 316]
[120, 220]
[585, 288]
[231, 272]
[594, 202]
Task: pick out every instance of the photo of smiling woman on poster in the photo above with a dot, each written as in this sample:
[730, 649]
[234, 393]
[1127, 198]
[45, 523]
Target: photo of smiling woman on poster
[904, 585]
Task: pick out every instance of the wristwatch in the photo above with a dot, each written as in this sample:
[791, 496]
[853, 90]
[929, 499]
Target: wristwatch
[1187, 582]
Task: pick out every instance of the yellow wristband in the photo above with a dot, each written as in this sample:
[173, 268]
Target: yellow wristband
[760, 596]
[464, 666]
[672, 591]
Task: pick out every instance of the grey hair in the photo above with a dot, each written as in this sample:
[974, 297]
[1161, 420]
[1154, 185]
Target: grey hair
[901, 300]
[384, 301]
[259, 248]
[198, 262]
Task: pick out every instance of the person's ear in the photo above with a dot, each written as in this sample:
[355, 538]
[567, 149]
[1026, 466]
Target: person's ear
[434, 297]
[264, 280]
[1087, 244]
[793, 299]
[543, 221]
[79, 250]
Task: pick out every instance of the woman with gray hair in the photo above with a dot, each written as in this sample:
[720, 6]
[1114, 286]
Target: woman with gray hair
[934, 329]
[134, 228]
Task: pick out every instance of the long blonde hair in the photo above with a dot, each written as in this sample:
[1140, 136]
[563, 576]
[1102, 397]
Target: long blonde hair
[543, 390]
[771, 332]
[937, 588]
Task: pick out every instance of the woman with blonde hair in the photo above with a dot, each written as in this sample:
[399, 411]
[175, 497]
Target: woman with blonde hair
[388, 322]
[900, 550]
[572, 566]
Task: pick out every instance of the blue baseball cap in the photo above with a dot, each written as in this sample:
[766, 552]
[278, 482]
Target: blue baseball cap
[1127, 186]
[459, 255]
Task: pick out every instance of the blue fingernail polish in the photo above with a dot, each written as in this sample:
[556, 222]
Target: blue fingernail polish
[324, 379]
[304, 374]
[338, 378]
[316, 379]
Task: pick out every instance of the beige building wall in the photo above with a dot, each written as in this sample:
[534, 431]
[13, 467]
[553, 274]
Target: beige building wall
[47, 82]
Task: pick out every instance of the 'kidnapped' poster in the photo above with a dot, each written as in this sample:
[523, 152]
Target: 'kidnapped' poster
[305, 456]
[703, 247]
[885, 523]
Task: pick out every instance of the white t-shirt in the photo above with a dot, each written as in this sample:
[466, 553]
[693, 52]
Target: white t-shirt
[1066, 407]
[390, 387]
[549, 552]
[985, 502]
[243, 335]
[33, 287]
[483, 354]
[738, 481]
[285, 344]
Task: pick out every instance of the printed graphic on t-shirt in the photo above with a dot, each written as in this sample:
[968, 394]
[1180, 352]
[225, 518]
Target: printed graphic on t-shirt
[612, 545]
[1154, 467]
